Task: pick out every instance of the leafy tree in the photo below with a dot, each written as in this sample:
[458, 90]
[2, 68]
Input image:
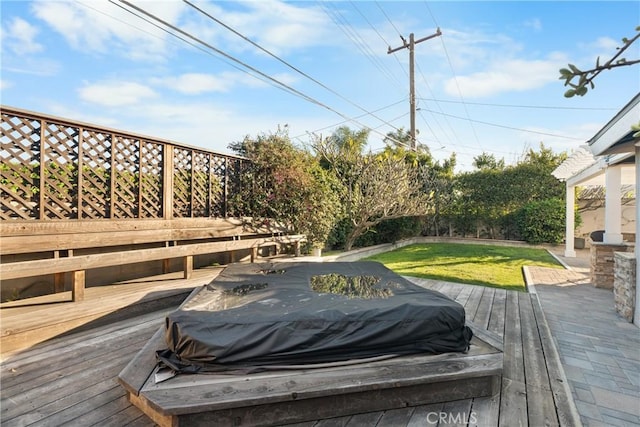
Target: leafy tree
[438, 181]
[286, 184]
[401, 139]
[436, 178]
[488, 161]
[374, 187]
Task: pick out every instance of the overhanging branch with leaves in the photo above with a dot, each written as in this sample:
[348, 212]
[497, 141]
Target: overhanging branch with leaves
[586, 77]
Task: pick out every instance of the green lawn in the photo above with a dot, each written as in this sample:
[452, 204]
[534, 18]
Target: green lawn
[496, 266]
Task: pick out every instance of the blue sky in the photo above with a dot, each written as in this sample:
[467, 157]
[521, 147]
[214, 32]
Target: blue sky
[489, 83]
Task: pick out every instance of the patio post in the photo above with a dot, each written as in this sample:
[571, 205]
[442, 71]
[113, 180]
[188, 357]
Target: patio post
[613, 205]
[570, 222]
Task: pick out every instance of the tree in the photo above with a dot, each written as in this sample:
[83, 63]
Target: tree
[487, 161]
[374, 187]
[438, 181]
[585, 78]
[491, 196]
[286, 184]
[401, 138]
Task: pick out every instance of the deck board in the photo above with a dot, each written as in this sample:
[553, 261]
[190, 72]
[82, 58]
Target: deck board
[485, 306]
[395, 417]
[72, 380]
[496, 317]
[27, 322]
[423, 415]
[513, 402]
[540, 405]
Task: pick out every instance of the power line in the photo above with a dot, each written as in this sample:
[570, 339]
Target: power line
[406, 73]
[399, 34]
[282, 61]
[455, 78]
[543, 107]
[226, 55]
[508, 127]
[352, 35]
[376, 31]
[412, 95]
[357, 117]
[423, 77]
[200, 48]
[390, 21]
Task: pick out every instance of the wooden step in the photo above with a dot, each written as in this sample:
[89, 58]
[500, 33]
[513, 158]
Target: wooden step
[292, 396]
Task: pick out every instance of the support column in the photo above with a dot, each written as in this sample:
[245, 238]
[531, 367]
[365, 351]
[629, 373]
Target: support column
[77, 285]
[569, 250]
[187, 267]
[613, 206]
[636, 314]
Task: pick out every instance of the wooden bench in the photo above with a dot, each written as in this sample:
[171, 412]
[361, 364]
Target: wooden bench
[57, 247]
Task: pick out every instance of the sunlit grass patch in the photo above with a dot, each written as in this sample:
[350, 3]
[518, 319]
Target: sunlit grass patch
[496, 266]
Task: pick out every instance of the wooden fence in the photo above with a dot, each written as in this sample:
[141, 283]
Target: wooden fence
[58, 169]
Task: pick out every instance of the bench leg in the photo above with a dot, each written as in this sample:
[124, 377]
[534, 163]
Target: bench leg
[297, 248]
[187, 266]
[254, 254]
[58, 282]
[77, 281]
[166, 266]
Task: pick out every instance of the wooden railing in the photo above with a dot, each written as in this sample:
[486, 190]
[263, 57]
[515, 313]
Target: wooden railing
[58, 169]
[77, 197]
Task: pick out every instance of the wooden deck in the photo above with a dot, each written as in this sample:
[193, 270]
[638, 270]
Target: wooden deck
[34, 320]
[71, 380]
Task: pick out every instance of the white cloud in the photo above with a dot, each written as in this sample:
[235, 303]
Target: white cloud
[35, 66]
[533, 23]
[5, 84]
[290, 26]
[19, 36]
[603, 47]
[115, 93]
[467, 49]
[100, 27]
[606, 44]
[506, 76]
[207, 125]
[21, 52]
[203, 124]
[277, 26]
[195, 83]
[199, 83]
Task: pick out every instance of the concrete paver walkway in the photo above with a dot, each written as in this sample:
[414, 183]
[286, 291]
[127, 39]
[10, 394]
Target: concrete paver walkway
[599, 350]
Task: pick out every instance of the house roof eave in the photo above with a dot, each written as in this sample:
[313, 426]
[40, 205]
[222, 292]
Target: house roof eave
[616, 129]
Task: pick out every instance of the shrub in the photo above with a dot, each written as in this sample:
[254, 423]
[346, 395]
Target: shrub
[387, 231]
[542, 221]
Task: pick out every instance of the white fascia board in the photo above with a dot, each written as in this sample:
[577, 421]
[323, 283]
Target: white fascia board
[617, 128]
[592, 175]
[595, 174]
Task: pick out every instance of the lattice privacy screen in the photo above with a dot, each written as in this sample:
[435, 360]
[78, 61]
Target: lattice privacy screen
[53, 168]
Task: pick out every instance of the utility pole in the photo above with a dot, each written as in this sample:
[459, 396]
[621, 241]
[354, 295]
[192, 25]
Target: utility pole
[412, 86]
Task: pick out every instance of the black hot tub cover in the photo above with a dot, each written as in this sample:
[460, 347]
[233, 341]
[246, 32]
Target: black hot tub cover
[266, 314]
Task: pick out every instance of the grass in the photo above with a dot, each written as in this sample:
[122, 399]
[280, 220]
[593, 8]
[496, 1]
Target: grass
[495, 266]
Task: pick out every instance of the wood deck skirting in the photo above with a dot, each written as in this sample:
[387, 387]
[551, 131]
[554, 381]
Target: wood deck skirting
[72, 380]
